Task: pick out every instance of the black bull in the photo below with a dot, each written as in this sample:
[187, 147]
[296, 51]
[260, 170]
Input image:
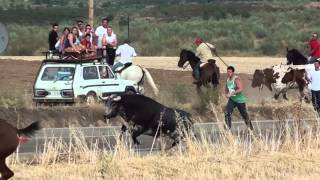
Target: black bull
[143, 115]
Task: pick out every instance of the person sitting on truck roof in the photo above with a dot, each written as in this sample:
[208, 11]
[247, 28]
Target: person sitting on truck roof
[89, 47]
[72, 45]
[62, 40]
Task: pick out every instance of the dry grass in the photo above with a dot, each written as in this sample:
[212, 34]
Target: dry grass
[243, 64]
[295, 154]
[293, 158]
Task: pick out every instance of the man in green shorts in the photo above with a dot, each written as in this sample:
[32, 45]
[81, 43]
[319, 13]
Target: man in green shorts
[234, 92]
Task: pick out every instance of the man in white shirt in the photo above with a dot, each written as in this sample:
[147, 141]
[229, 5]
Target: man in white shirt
[101, 30]
[314, 78]
[109, 41]
[126, 53]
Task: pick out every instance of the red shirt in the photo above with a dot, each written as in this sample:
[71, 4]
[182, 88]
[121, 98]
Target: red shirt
[86, 44]
[314, 45]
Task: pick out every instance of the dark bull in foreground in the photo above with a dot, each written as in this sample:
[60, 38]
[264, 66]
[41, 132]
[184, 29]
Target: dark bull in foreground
[9, 140]
[143, 115]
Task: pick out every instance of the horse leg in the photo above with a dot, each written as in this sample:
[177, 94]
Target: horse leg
[198, 88]
[284, 95]
[276, 96]
[6, 173]
[307, 95]
[215, 79]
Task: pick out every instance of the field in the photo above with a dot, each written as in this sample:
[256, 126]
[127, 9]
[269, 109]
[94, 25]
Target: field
[176, 90]
[294, 155]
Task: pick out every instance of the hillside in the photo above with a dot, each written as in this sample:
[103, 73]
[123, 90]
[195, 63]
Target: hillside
[237, 28]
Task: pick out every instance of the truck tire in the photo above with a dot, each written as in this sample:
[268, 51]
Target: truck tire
[129, 91]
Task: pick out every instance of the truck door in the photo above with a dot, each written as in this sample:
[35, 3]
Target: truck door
[88, 81]
[109, 83]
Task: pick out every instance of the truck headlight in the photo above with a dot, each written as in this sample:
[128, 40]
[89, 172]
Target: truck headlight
[41, 93]
[67, 93]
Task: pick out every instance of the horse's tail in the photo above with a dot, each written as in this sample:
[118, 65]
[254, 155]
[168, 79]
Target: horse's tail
[216, 76]
[30, 130]
[150, 81]
[216, 72]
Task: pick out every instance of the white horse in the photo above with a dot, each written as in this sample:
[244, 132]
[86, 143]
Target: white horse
[137, 74]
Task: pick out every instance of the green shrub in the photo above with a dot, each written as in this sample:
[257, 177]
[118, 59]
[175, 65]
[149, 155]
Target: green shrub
[165, 29]
[269, 48]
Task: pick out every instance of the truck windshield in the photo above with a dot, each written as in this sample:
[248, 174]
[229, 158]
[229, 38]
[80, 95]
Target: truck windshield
[58, 74]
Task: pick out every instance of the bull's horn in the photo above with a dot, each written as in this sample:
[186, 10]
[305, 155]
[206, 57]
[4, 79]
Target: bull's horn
[113, 96]
[104, 98]
[117, 98]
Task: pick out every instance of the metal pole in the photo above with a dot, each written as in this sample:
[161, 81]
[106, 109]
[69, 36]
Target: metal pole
[221, 59]
[91, 12]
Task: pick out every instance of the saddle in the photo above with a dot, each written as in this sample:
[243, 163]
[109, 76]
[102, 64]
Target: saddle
[121, 68]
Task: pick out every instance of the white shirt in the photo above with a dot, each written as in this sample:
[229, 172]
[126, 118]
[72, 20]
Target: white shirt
[204, 51]
[314, 77]
[126, 53]
[111, 38]
[100, 31]
[80, 33]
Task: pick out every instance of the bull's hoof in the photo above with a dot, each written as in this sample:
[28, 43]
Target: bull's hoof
[174, 144]
[136, 142]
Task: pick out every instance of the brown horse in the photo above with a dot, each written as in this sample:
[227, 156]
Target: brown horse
[209, 72]
[9, 140]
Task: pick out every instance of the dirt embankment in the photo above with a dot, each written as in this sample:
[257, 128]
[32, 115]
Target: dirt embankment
[176, 90]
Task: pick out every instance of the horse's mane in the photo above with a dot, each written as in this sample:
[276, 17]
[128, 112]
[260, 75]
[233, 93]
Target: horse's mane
[191, 55]
[295, 57]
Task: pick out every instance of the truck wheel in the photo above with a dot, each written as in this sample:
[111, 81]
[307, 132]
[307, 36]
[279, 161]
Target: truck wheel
[130, 92]
[91, 98]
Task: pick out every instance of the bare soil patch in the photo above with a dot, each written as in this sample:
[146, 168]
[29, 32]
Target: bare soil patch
[176, 90]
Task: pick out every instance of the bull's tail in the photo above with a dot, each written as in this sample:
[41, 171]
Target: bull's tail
[150, 81]
[30, 130]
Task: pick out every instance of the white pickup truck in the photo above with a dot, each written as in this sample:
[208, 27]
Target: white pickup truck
[66, 81]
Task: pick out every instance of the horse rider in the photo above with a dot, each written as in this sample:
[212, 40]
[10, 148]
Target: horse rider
[204, 52]
[314, 45]
[236, 98]
[126, 53]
